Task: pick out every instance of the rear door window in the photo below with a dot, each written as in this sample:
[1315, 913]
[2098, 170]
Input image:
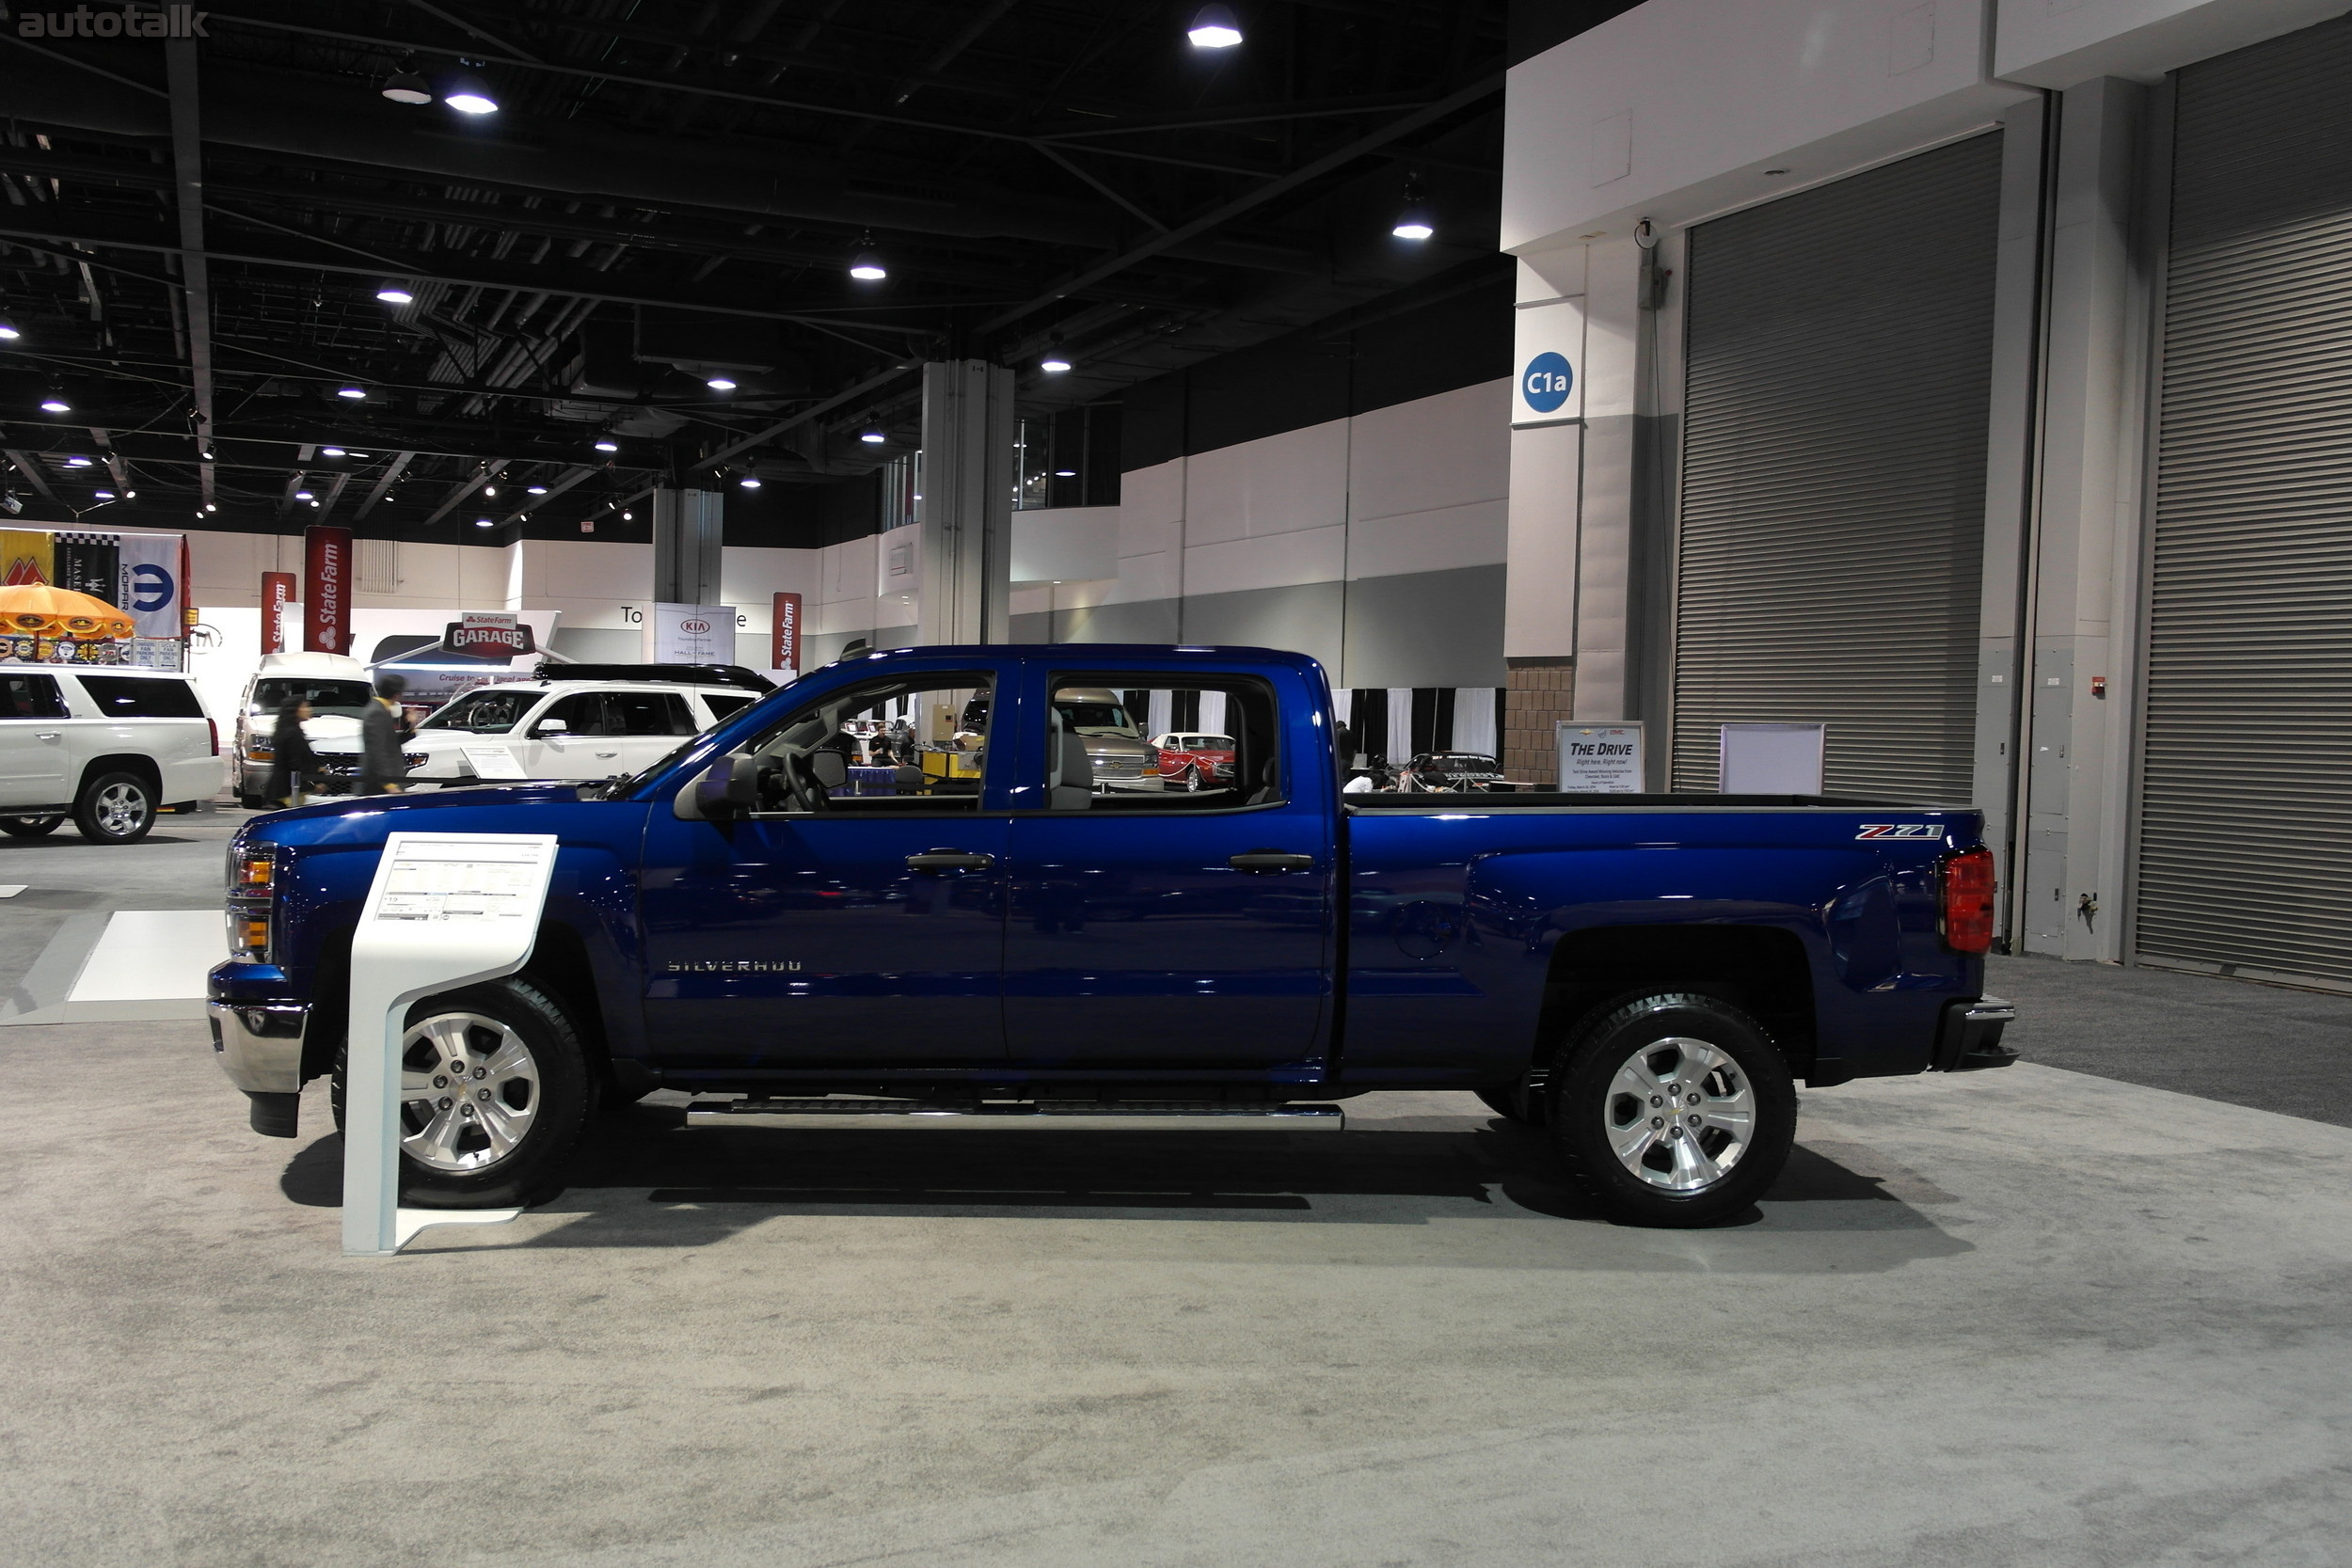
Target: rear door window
[649, 713]
[30, 697]
[726, 705]
[491, 712]
[130, 697]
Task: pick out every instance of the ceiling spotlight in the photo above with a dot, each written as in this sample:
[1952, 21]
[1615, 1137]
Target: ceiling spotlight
[867, 266]
[77, 461]
[130, 495]
[1416, 222]
[54, 402]
[392, 293]
[352, 390]
[1214, 28]
[490, 490]
[468, 94]
[481, 522]
[720, 384]
[749, 482]
[302, 495]
[1065, 473]
[627, 516]
[1052, 363]
[8, 330]
[607, 444]
[538, 490]
[407, 87]
[103, 495]
[212, 506]
[314, 506]
[872, 435]
[332, 452]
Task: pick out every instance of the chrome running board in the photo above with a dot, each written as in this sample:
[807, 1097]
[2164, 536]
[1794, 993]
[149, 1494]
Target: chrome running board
[1151, 1115]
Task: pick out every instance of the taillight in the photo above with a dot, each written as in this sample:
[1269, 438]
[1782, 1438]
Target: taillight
[212, 727]
[1965, 917]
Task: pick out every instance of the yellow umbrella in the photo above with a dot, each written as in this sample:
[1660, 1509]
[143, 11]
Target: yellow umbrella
[36, 608]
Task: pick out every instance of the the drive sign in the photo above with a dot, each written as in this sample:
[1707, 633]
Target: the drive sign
[1547, 382]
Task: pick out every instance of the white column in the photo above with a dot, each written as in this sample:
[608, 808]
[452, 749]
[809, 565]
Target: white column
[2086, 553]
[965, 513]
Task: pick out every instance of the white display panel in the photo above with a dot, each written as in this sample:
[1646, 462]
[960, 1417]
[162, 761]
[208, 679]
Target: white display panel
[446, 909]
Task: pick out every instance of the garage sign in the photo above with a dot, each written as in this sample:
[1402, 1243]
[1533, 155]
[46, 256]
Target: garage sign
[489, 634]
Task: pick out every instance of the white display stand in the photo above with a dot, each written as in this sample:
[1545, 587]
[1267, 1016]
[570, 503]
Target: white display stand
[1599, 759]
[446, 909]
[1772, 759]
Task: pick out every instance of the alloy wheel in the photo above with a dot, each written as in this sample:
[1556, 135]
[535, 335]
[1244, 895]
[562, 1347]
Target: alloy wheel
[468, 1092]
[1679, 1114]
[121, 810]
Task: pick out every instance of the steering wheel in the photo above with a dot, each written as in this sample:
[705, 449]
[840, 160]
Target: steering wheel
[808, 775]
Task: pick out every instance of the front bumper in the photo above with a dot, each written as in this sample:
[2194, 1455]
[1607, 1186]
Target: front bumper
[1970, 1038]
[260, 1044]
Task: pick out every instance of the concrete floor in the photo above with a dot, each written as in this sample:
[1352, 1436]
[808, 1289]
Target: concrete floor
[2027, 1316]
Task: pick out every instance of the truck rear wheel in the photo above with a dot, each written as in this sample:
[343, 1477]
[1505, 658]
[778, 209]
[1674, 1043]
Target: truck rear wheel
[115, 808]
[495, 1090]
[28, 827]
[1675, 1109]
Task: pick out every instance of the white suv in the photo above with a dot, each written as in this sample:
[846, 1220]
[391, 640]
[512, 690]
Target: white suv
[108, 748]
[552, 729]
[335, 684]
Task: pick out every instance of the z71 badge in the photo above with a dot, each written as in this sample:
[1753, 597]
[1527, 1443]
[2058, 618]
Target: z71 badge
[1900, 830]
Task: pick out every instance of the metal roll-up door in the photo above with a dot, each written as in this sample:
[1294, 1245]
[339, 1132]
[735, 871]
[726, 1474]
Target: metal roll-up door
[2245, 828]
[1839, 369]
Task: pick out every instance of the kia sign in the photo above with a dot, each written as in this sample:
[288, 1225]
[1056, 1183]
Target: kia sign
[785, 653]
[489, 634]
[278, 592]
[689, 634]
[1548, 341]
[327, 590]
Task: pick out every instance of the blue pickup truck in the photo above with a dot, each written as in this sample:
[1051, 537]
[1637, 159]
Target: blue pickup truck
[996, 930]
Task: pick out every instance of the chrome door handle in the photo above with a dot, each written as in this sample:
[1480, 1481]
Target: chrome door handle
[607, 753]
[1265, 861]
[949, 860]
[45, 734]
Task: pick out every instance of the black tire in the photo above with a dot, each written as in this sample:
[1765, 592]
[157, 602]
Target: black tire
[115, 808]
[564, 1095]
[1690, 1047]
[1512, 1103]
[1190, 782]
[29, 827]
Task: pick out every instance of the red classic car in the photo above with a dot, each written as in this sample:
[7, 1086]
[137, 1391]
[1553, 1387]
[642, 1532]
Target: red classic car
[1195, 761]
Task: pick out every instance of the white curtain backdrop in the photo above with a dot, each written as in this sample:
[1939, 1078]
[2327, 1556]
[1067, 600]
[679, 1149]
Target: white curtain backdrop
[1400, 724]
[1474, 718]
[1212, 713]
[1159, 714]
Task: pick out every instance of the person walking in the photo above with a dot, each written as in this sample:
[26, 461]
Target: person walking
[291, 759]
[380, 766]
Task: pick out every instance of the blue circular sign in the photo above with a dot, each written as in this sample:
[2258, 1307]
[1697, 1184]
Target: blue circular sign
[1544, 385]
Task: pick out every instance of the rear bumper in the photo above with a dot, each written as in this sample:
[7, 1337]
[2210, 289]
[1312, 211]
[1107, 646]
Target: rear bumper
[1970, 1038]
[260, 1044]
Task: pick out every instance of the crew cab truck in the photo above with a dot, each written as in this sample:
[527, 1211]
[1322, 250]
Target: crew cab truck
[1646, 978]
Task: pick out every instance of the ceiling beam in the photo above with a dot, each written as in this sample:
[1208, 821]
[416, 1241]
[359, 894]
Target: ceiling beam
[458, 492]
[1339, 157]
[384, 482]
[577, 476]
[187, 157]
[31, 470]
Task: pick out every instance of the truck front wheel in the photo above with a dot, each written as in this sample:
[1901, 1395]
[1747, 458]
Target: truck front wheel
[495, 1090]
[1675, 1109]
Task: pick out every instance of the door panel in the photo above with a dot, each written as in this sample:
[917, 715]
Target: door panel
[807, 942]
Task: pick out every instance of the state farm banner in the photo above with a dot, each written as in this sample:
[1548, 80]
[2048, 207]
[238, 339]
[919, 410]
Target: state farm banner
[494, 634]
[278, 592]
[787, 653]
[327, 590]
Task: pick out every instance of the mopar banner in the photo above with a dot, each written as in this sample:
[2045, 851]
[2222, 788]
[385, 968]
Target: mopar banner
[327, 590]
[278, 593]
[146, 572]
[787, 653]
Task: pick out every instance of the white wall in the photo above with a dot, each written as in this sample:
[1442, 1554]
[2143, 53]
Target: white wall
[2063, 44]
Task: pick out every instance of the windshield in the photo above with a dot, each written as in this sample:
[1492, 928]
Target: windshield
[1097, 719]
[349, 699]
[491, 712]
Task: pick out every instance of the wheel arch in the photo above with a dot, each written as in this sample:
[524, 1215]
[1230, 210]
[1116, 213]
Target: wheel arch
[136, 764]
[1762, 970]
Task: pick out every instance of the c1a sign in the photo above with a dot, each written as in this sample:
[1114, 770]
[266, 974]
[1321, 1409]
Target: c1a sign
[489, 634]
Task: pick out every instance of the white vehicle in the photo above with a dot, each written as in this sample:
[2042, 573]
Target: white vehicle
[336, 687]
[108, 748]
[550, 729]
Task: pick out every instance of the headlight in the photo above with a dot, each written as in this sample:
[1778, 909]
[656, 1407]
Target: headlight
[252, 890]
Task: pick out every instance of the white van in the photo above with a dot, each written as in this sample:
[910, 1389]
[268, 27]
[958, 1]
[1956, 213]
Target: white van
[335, 684]
[109, 747]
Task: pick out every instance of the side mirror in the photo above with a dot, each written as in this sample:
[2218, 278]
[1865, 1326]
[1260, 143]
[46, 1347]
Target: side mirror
[728, 787]
[551, 726]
